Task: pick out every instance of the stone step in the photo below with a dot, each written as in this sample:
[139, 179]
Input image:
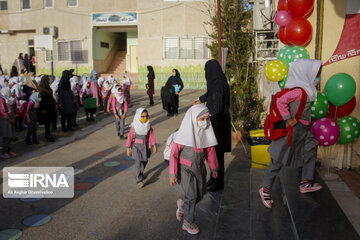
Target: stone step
[268, 224]
[315, 216]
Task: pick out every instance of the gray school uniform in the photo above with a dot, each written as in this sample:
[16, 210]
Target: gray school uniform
[5, 133]
[283, 155]
[141, 153]
[120, 123]
[31, 127]
[191, 181]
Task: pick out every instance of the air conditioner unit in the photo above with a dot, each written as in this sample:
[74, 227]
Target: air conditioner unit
[53, 31]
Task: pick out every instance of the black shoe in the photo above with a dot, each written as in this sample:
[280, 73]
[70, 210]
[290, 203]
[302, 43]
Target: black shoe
[75, 125]
[216, 186]
[169, 115]
[64, 130]
[210, 182]
[36, 142]
[28, 142]
[92, 119]
[14, 139]
[50, 138]
[70, 129]
[121, 136]
[88, 119]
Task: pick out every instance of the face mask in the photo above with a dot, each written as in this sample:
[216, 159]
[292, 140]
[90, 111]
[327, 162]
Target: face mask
[143, 120]
[317, 81]
[174, 74]
[22, 88]
[202, 124]
[39, 99]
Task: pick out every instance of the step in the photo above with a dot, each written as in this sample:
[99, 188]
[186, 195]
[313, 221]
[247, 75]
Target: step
[225, 215]
[315, 216]
[268, 224]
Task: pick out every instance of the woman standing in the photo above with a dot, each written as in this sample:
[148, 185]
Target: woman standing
[178, 86]
[150, 85]
[47, 109]
[66, 101]
[218, 102]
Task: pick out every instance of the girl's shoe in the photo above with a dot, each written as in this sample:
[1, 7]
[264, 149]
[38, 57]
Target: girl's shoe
[179, 211]
[191, 228]
[265, 198]
[308, 187]
[12, 154]
[5, 156]
[140, 185]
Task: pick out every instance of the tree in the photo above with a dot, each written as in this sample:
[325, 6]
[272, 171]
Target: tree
[237, 36]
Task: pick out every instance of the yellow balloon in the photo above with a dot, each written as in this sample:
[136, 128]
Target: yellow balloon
[276, 71]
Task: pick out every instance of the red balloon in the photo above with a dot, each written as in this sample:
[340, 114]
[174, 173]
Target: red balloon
[343, 110]
[309, 13]
[283, 37]
[299, 31]
[300, 8]
[282, 5]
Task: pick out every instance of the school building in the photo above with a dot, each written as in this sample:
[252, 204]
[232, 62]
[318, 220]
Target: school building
[110, 36]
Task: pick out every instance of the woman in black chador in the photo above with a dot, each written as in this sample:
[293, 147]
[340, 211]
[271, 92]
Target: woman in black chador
[170, 93]
[218, 102]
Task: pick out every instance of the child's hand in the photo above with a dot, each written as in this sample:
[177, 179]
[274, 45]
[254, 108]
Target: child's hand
[214, 174]
[124, 116]
[173, 181]
[128, 152]
[196, 101]
[292, 122]
[155, 149]
[28, 119]
[116, 116]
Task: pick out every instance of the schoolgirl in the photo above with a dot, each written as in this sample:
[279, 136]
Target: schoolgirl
[140, 140]
[193, 144]
[119, 107]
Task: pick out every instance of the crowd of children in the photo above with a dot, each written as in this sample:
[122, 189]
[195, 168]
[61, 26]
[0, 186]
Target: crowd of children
[27, 100]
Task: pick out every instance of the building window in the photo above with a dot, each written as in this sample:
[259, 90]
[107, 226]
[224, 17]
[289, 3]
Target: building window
[185, 48]
[25, 4]
[66, 51]
[76, 51]
[4, 5]
[72, 3]
[48, 3]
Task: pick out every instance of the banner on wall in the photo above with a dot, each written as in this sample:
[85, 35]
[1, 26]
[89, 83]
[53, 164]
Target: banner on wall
[349, 44]
[101, 19]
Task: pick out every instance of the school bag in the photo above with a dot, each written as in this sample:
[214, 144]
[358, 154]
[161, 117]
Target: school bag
[22, 110]
[275, 125]
[168, 147]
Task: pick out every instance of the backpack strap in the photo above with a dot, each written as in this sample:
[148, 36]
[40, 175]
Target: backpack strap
[298, 113]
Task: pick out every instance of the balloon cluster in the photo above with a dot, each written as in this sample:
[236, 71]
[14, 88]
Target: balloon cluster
[295, 32]
[331, 110]
[292, 16]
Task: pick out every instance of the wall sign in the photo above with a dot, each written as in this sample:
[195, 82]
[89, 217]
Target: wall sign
[349, 44]
[101, 19]
[104, 45]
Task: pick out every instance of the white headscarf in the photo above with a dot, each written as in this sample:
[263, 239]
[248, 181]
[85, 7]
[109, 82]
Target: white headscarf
[2, 81]
[127, 80]
[107, 85]
[35, 99]
[17, 88]
[85, 88]
[302, 73]
[38, 80]
[73, 82]
[119, 97]
[100, 81]
[190, 134]
[82, 79]
[110, 79]
[6, 94]
[139, 127]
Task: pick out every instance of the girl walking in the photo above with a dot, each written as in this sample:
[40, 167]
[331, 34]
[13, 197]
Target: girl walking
[119, 109]
[301, 79]
[193, 144]
[140, 140]
[6, 121]
[31, 118]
